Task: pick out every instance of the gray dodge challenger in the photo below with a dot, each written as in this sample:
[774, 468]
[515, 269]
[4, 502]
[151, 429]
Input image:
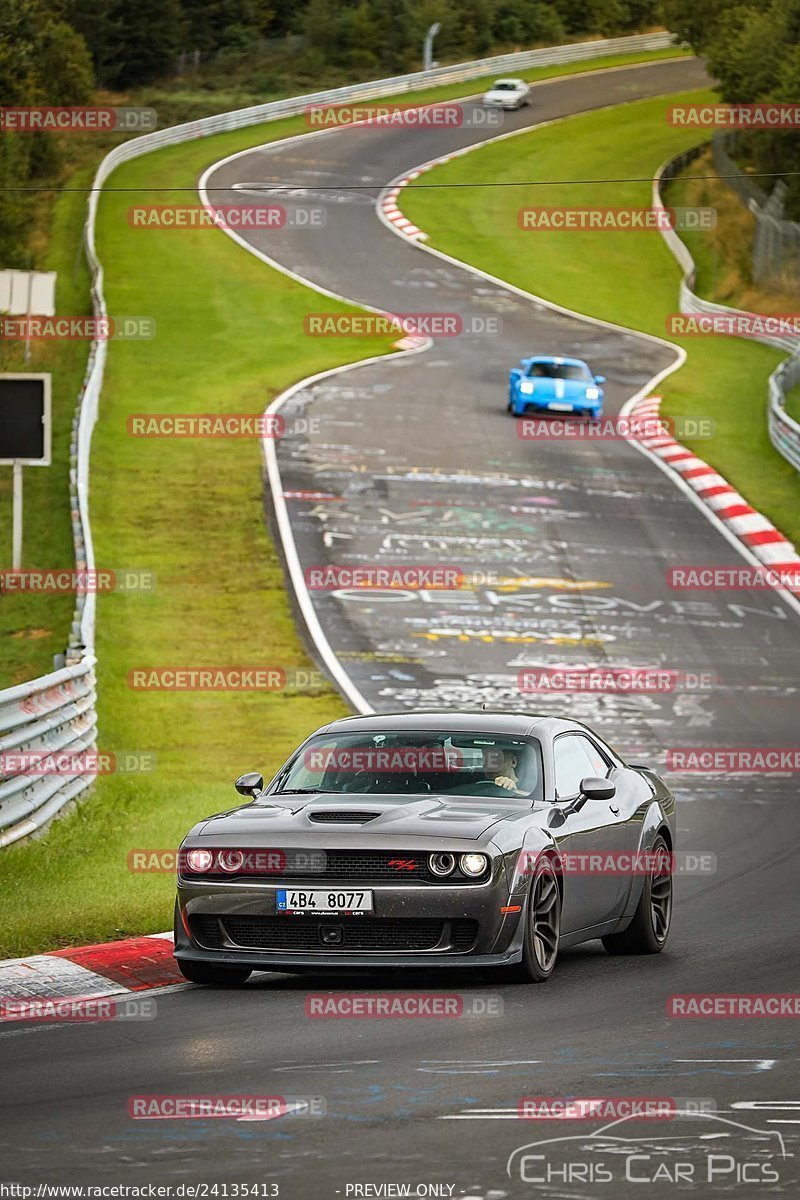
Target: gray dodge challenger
[430, 840]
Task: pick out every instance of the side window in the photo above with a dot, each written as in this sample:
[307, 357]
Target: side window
[572, 764]
[599, 764]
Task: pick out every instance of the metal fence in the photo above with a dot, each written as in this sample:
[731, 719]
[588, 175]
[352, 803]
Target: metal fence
[57, 711]
[52, 715]
[776, 245]
[784, 432]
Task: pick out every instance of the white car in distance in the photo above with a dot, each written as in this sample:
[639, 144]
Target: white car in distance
[508, 93]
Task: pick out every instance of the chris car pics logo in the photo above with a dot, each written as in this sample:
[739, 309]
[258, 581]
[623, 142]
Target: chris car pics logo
[698, 1149]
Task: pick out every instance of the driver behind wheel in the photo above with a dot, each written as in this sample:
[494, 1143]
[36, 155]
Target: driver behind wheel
[501, 767]
[508, 772]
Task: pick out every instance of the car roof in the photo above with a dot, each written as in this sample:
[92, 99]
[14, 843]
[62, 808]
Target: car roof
[506, 79]
[555, 358]
[432, 721]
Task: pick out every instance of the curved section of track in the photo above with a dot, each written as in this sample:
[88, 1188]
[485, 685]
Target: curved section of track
[415, 461]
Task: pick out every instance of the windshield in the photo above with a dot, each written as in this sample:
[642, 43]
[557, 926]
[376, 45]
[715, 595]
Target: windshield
[389, 762]
[548, 370]
[505, 85]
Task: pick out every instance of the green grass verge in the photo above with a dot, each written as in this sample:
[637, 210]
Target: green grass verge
[228, 338]
[35, 626]
[723, 256]
[631, 279]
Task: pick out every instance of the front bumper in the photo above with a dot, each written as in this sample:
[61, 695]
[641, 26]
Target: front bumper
[346, 962]
[227, 909]
[524, 406]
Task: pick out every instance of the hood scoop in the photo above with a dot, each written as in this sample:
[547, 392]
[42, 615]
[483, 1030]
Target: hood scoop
[354, 816]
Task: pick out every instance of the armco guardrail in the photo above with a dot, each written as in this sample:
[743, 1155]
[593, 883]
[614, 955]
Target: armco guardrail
[54, 715]
[57, 712]
[784, 432]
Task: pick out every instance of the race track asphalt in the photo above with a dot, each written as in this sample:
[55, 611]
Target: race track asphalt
[422, 465]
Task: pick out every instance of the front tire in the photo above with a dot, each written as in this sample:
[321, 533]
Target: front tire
[201, 972]
[542, 926]
[649, 929]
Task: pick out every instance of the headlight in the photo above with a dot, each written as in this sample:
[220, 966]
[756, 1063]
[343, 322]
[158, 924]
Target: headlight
[442, 864]
[199, 860]
[526, 387]
[592, 394]
[473, 864]
[230, 860]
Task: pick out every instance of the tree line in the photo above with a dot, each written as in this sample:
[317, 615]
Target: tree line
[135, 44]
[58, 52]
[753, 49]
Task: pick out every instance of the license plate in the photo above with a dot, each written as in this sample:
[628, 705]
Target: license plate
[560, 407]
[317, 900]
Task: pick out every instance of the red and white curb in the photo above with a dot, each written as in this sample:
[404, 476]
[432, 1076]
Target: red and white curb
[757, 537]
[89, 972]
[389, 208]
[751, 527]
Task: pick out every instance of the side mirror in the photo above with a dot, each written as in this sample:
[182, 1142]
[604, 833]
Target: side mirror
[599, 378]
[598, 789]
[251, 784]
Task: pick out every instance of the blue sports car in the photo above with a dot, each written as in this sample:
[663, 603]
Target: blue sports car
[545, 384]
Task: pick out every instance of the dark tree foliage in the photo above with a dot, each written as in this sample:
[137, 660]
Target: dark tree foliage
[753, 51]
[43, 61]
[131, 44]
[389, 33]
[55, 51]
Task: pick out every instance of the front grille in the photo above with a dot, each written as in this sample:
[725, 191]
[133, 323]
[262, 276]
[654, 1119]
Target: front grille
[361, 933]
[342, 818]
[464, 934]
[207, 931]
[400, 867]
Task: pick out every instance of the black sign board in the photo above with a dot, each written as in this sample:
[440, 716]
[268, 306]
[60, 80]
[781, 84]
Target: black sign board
[25, 419]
